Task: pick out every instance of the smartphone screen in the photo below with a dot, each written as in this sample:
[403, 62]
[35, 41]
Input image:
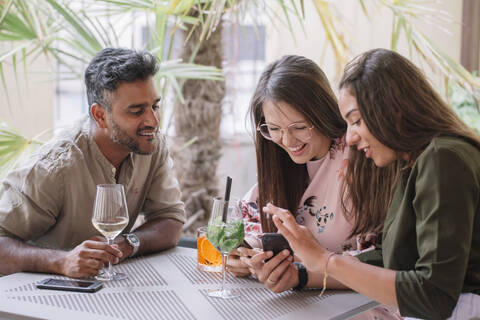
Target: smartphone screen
[70, 285]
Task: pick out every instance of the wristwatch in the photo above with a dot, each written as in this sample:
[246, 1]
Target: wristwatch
[302, 277]
[133, 240]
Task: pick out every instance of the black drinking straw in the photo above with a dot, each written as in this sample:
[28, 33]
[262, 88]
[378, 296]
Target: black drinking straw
[228, 187]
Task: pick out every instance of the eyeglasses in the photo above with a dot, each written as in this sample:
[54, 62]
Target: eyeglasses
[299, 130]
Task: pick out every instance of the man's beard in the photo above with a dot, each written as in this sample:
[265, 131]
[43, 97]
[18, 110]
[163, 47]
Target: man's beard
[120, 137]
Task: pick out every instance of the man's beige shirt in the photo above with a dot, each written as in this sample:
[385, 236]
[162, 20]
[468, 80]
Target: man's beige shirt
[48, 200]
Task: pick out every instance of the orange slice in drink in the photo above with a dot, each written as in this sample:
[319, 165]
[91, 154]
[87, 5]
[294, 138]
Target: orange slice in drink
[209, 253]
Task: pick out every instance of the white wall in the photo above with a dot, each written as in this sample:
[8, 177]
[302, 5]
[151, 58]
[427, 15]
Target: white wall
[239, 162]
[30, 111]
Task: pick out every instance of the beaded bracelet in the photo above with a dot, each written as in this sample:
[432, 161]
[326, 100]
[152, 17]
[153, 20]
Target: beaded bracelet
[325, 274]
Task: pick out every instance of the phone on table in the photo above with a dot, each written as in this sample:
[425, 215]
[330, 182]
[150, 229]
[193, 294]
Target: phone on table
[70, 285]
[275, 242]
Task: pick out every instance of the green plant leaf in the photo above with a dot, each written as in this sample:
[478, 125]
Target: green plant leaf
[13, 147]
[73, 19]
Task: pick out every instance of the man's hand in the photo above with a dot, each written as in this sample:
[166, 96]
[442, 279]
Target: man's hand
[88, 258]
[120, 242]
[124, 246]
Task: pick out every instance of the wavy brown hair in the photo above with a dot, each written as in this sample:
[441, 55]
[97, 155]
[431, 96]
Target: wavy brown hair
[300, 83]
[404, 113]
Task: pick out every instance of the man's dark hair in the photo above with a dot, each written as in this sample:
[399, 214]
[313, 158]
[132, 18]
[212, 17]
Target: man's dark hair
[112, 66]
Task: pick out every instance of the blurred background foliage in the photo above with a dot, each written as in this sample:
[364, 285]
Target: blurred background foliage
[70, 32]
[465, 105]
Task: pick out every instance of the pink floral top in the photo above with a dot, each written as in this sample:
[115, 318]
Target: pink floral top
[320, 208]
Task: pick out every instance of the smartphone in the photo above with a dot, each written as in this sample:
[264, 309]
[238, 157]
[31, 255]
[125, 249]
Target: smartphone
[70, 285]
[275, 242]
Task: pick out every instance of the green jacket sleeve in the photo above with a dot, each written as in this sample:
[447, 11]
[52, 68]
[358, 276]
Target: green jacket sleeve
[446, 194]
[373, 257]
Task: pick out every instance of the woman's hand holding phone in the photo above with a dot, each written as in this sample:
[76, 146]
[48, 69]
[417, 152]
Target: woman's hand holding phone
[301, 240]
[278, 274]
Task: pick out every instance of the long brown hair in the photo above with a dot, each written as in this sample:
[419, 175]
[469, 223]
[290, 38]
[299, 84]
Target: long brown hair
[300, 83]
[404, 113]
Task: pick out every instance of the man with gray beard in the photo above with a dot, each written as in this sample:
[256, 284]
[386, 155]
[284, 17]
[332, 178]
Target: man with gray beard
[46, 203]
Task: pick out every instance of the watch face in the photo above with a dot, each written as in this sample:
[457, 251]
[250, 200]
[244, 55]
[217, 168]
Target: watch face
[133, 239]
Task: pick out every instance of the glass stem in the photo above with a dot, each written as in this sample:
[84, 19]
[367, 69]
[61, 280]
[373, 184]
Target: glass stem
[224, 270]
[110, 270]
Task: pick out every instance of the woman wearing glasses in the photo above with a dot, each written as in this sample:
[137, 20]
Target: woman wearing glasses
[301, 157]
[410, 148]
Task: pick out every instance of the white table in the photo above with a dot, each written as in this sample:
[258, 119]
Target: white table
[169, 286]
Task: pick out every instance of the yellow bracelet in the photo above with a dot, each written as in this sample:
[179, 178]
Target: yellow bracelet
[325, 274]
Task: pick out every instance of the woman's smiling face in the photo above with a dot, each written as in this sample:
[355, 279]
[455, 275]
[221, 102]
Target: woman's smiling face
[282, 118]
[359, 135]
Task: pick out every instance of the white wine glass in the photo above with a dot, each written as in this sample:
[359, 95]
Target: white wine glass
[110, 217]
[225, 235]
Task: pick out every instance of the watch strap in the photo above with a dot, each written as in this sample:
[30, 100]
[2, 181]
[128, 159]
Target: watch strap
[135, 244]
[302, 277]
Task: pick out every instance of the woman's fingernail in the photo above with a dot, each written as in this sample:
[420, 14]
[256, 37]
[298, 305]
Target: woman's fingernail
[269, 253]
[285, 252]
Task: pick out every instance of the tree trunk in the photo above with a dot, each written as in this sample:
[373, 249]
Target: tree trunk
[199, 117]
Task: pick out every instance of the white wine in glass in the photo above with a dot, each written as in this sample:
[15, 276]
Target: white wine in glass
[110, 217]
[112, 228]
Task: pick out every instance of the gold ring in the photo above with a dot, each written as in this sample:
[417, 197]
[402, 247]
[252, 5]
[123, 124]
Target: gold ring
[272, 282]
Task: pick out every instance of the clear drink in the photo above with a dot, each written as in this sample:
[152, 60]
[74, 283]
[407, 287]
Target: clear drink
[111, 229]
[110, 217]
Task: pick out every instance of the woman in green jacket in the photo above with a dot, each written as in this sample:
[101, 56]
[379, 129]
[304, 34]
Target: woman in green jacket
[415, 168]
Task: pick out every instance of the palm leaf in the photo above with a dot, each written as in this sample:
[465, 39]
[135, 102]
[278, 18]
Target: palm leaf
[335, 33]
[12, 147]
[180, 70]
[4, 9]
[364, 8]
[407, 10]
[15, 29]
[4, 84]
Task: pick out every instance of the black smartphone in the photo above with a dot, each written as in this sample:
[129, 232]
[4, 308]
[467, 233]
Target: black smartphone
[275, 242]
[70, 285]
